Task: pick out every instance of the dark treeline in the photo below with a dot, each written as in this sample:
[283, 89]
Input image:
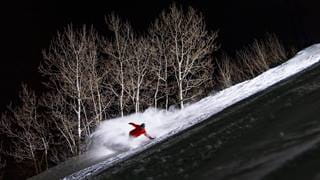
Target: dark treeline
[91, 78]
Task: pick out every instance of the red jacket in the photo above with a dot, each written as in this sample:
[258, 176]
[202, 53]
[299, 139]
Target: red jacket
[138, 130]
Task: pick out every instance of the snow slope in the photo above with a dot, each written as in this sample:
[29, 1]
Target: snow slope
[111, 138]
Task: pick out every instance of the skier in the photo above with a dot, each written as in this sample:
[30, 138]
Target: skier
[139, 130]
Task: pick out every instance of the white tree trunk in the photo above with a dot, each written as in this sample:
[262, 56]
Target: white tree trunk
[79, 107]
[137, 99]
[99, 106]
[122, 89]
[166, 84]
[180, 86]
[156, 93]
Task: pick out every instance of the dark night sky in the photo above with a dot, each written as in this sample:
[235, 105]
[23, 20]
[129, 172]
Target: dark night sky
[27, 27]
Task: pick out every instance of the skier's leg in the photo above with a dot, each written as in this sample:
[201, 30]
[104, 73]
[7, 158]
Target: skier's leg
[130, 137]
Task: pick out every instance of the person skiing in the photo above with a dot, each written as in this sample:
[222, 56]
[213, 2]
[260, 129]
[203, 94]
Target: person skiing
[139, 130]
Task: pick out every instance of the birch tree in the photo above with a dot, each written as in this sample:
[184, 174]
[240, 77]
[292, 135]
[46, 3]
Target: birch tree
[27, 130]
[226, 71]
[98, 98]
[60, 115]
[69, 64]
[137, 69]
[190, 45]
[159, 38]
[118, 51]
[260, 55]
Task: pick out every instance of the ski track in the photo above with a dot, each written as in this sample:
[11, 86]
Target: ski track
[111, 137]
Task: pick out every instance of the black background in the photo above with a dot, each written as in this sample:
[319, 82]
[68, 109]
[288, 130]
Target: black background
[28, 26]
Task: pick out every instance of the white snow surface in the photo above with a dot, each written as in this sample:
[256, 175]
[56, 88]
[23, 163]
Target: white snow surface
[111, 138]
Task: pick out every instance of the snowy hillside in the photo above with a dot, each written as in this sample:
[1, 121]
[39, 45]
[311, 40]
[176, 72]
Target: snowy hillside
[110, 140]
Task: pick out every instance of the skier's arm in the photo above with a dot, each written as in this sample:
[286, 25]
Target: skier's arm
[148, 136]
[133, 124]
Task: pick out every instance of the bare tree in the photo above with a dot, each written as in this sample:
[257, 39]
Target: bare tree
[60, 116]
[119, 53]
[70, 65]
[226, 71]
[260, 55]
[136, 70]
[160, 62]
[27, 130]
[97, 97]
[190, 44]
[276, 51]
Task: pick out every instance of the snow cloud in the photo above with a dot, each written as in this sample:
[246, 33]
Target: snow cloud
[111, 137]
